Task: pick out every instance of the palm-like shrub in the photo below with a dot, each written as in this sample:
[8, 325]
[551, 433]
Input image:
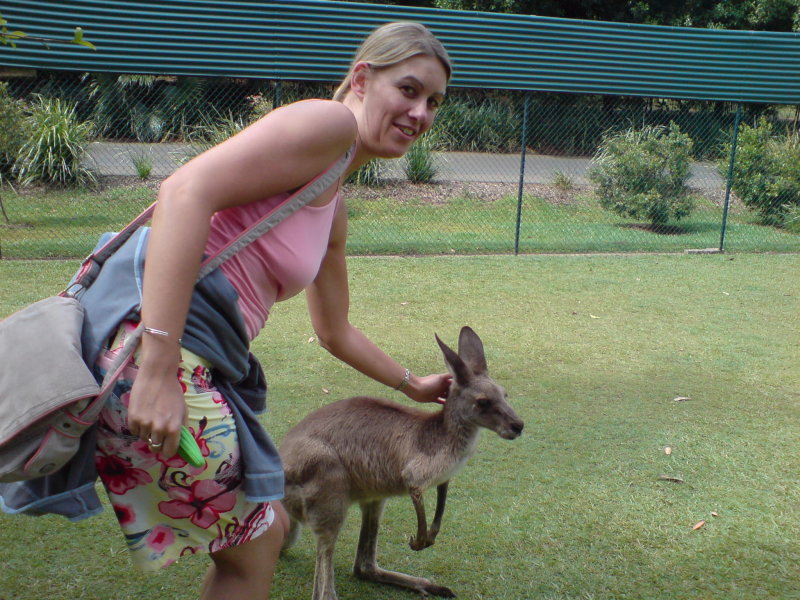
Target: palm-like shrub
[122, 109]
[642, 174]
[215, 127]
[419, 163]
[213, 132]
[369, 174]
[477, 125]
[55, 150]
[146, 108]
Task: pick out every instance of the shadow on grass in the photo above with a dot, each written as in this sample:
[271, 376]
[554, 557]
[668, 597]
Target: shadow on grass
[688, 229]
[17, 225]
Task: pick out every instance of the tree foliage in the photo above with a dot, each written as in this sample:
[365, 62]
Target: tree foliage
[10, 38]
[760, 15]
[13, 132]
[766, 174]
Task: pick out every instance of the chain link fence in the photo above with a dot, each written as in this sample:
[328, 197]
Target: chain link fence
[501, 171]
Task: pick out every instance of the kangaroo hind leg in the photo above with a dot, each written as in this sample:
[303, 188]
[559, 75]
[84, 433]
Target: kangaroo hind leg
[366, 565]
[325, 513]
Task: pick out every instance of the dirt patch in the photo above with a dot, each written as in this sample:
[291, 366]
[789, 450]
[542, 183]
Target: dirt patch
[434, 193]
[127, 181]
[440, 192]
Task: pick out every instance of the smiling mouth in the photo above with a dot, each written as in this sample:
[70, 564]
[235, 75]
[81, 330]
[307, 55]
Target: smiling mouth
[407, 130]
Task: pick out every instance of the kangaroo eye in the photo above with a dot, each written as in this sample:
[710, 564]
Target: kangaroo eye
[484, 402]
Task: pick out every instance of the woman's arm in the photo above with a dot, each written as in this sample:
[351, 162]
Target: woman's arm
[282, 151]
[328, 300]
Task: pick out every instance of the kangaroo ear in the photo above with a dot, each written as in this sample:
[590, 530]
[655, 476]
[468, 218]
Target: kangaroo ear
[470, 348]
[458, 369]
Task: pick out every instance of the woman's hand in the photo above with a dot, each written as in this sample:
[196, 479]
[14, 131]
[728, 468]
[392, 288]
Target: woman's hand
[431, 388]
[157, 410]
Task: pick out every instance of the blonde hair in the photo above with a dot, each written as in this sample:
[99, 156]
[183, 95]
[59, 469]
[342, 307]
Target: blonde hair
[393, 43]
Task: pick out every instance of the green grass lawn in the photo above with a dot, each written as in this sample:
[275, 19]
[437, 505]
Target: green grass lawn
[593, 351]
[469, 225]
[66, 223]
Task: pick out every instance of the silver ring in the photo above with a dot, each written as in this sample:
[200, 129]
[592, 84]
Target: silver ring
[153, 444]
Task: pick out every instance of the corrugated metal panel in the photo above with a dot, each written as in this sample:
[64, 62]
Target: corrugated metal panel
[315, 39]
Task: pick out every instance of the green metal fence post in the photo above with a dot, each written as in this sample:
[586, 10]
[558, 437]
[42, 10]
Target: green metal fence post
[729, 182]
[524, 143]
[277, 94]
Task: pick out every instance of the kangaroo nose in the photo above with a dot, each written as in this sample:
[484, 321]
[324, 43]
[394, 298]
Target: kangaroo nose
[517, 427]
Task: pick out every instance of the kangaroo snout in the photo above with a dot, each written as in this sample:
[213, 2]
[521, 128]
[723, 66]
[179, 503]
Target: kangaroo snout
[509, 426]
[513, 430]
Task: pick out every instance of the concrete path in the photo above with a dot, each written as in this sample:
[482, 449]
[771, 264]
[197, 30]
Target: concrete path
[118, 159]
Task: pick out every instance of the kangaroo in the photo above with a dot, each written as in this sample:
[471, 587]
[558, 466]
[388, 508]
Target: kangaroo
[365, 450]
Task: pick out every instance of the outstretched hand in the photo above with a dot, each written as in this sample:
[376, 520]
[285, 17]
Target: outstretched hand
[430, 388]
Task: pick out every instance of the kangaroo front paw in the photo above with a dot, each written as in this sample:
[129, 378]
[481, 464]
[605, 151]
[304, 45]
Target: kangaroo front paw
[420, 543]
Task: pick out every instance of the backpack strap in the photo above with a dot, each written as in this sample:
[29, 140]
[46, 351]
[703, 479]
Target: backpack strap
[288, 206]
[114, 371]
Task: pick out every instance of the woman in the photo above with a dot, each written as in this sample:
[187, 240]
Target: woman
[389, 98]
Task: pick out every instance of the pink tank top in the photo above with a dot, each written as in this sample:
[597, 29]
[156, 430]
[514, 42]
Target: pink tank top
[279, 264]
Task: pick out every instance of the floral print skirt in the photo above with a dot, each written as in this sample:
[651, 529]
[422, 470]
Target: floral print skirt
[166, 507]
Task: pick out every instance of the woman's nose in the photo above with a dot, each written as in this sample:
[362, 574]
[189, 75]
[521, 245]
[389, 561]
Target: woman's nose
[419, 111]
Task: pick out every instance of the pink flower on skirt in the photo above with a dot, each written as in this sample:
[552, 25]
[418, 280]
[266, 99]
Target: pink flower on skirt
[184, 388]
[125, 513]
[119, 475]
[200, 379]
[160, 538]
[203, 503]
[224, 408]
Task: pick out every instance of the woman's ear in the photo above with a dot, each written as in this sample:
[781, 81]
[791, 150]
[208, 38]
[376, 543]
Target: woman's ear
[358, 81]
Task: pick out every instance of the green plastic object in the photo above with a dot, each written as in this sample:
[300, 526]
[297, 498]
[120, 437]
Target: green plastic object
[189, 450]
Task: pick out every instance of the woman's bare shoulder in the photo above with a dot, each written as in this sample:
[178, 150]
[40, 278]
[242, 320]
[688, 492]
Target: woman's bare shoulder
[281, 151]
[327, 120]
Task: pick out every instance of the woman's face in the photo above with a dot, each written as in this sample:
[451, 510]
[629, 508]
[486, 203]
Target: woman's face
[398, 103]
